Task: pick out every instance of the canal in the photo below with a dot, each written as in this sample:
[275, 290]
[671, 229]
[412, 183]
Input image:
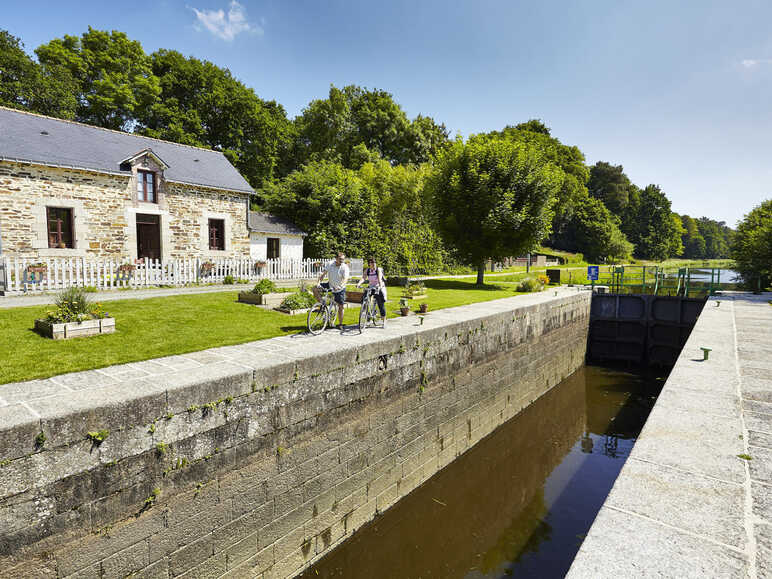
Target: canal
[520, 502]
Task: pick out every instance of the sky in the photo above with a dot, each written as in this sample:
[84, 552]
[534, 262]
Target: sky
[679, 93]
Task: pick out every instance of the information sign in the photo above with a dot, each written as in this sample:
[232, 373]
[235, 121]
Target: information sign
[592, 272]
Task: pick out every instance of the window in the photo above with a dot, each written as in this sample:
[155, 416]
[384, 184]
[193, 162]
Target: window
[273, 248]
[59, 227]
[146, 186]
[217, 234]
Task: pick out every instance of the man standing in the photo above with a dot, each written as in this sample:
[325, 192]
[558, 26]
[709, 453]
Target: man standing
[338, 273]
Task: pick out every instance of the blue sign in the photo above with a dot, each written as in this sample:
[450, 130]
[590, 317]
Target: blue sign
[592, 272]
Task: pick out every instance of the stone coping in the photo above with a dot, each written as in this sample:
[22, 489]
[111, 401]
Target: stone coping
[126, 395]
[688, 502]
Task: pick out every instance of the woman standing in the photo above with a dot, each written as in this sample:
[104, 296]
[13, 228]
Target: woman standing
[373, 275]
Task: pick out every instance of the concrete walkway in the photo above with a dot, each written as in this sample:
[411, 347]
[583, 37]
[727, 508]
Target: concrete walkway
[695, 497]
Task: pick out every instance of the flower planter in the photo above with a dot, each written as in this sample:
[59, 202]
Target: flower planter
[418, 297]
[404, 311]
[68, 330]
[270, 300]
[423, 308]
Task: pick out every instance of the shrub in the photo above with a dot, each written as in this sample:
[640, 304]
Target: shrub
[752, 247]
[73, 305]
[415, 288]
[298, 301]
[530, 284]
[264, 286]
[229, 280]
[542, 279]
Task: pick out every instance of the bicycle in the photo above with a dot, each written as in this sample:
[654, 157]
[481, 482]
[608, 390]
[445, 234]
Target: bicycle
[322, 313]
[369, 311]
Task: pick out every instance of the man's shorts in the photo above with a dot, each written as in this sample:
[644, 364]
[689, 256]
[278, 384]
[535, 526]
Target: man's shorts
[339, 297]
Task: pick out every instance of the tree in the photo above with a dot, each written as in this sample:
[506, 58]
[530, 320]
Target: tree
[610, 184]
[24, 84]
[332, 128]
[202, 104]
[594, 232]
[570, 159]
[717, 238]
[113, 75]
[492, 198]
[693, 242]
[649, 225]
[752, 247]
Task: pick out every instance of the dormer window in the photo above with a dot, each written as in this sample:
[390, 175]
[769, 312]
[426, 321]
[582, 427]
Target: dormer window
[146, 187]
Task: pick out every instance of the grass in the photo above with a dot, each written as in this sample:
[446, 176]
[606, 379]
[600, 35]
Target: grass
[164, 326]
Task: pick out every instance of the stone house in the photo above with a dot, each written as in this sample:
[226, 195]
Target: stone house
[73, 190]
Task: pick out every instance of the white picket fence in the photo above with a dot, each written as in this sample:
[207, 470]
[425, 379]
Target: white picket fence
[19, 275]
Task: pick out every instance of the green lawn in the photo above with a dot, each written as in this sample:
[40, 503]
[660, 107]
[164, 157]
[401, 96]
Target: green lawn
[178, 324]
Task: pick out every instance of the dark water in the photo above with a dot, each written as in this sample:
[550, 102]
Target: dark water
[520, 502]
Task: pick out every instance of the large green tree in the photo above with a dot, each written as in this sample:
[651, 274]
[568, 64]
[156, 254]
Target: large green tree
[752, 247]
[717, 236]
[492, 198]
[648, 223]
[202, 104]
[114, 79]
[25, 84]
[693, 242]
[569, 158]
[334, 127]
[594, 232]
[609, 183]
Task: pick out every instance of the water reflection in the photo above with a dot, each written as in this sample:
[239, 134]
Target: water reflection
[520, 502]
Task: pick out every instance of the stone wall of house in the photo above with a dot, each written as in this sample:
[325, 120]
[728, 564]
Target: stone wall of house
[260, 458]
[105, 209]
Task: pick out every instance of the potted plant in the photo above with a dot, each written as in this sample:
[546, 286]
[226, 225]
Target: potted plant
[75, 316]
[404, 309]
[423, 308]
[39, 267]
[414, 291]
[206, 268]
[258, 294]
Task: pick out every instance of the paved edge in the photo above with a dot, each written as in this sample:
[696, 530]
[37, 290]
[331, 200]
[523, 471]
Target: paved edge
[694, 498]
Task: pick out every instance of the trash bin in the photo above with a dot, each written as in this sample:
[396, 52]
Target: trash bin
[554, 275]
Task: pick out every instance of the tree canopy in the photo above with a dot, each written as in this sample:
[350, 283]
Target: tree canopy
[492, 198]
[752, 247]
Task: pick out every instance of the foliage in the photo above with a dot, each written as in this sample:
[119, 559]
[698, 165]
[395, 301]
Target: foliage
[649, 225]
[98, 436]
[492, 198]
[298, 301]
[413, 289]
[542, 279]
[569, 159]
[377, 210]
[752, 247]
[353, 123]
[264, 286]
[530, 284]
[24, 84]
[595, 231]
[113, 76]
[229, 280]
[610, 184]
[202, 104]
[718, 238]
[73, 305]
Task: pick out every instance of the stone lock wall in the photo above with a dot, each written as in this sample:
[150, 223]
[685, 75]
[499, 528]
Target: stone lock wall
[105, 208]
[257, 466]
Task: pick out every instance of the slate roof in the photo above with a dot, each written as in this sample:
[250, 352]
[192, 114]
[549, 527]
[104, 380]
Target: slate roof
[32, 138]
[266, 223]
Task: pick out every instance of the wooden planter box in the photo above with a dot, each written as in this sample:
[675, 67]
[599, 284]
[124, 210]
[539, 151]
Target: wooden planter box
[75, 329]
[354, 297]
[270, 300]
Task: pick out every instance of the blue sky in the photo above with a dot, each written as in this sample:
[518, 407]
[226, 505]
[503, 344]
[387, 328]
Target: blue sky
[677, 92]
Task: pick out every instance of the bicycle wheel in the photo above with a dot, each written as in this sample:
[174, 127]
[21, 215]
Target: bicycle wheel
[363, 315]
[317, 319]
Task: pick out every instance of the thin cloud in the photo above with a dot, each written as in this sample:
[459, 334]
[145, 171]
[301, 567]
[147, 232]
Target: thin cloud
[754, 62]
[226, 25]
